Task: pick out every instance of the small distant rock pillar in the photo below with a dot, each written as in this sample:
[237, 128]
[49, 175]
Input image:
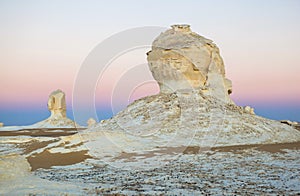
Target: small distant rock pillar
[91, 122]
[57, 104]
[1, 124]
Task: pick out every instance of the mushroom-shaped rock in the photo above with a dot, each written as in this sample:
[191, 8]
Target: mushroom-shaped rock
[58, 117]
[181, 60]
[57, 104]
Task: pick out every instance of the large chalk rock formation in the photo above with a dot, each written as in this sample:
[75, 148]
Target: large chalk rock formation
[193, 104]
[181, 60]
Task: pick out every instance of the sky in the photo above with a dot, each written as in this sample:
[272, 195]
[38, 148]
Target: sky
[43, 45]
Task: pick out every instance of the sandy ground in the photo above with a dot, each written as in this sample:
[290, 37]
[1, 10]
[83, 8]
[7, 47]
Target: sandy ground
[229, 172]
[45, 132]
[272, 148]
[234, 170]
[47, 160]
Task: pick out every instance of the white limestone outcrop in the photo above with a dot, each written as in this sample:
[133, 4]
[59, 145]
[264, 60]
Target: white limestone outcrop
[57, 118]
[181, 60]
[195, 119]
[57, 104]
[57, 108]
[193, 105]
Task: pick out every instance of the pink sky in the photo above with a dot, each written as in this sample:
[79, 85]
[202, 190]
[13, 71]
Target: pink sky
[43, 45]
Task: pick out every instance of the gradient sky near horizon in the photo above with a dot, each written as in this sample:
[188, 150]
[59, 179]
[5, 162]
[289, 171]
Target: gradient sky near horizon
[44, 43]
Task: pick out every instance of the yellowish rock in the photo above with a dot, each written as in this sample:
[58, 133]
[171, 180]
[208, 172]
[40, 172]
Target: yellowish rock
[181, 60]
[58, 117]
[57, 103]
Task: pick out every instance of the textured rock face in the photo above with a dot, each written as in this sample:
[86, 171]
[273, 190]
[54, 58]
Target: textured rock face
[193, 106]
[195, 119]
[57, 104]
[58, 117]
[181, 60]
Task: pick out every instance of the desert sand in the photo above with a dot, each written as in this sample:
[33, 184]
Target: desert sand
[252, 169]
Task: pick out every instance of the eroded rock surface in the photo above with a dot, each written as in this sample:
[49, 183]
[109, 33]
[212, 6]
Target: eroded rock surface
[193, 106]
[57, 104]
[181, 60]
[195, 119]
[57, 108]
